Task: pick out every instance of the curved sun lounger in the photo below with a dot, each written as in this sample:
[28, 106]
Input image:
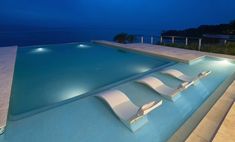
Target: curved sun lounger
[164, 90]
[131, 115]
[181, 76]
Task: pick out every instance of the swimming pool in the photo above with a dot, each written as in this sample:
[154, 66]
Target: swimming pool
[48, 75]
[89, 119]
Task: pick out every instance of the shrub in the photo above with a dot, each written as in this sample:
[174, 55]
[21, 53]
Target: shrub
[120, 38]
[124, 38]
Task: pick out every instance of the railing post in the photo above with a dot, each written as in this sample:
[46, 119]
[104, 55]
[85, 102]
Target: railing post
[186, 41]
[142, 39]
[173, 39]
[161, 39]
[199, 44]
[151, 39]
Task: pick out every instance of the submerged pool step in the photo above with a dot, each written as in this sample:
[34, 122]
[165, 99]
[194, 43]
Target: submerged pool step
[207, 128]
[193, 129]
[226, 131]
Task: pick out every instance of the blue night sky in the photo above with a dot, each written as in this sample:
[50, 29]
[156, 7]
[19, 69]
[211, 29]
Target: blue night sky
[111, 16]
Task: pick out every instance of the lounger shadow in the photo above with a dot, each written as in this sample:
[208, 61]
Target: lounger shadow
[132, 116]
[164, 90]
[181, 76]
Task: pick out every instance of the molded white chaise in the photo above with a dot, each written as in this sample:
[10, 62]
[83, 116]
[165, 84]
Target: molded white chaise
[164, 90]
[132, 116]
[181, 76]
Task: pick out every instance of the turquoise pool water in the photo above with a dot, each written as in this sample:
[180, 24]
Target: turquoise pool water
[89, 119]
[47, 75]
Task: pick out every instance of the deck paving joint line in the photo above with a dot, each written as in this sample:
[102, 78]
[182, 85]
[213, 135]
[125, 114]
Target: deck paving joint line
[7, 64]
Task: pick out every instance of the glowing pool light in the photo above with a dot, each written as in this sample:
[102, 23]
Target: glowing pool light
[40, 50]
[142, 69]
[69, 93]
[82, 46]
[224, 62]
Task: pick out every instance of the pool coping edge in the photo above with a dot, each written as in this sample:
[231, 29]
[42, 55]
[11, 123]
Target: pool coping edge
[7, 65]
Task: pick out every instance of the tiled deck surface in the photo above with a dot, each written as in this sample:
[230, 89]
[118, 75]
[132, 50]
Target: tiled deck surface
[177, 54]
[7, 63]
[228, 125]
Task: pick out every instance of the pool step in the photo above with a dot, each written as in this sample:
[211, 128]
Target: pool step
[207, 128]
[226, 131]
[193, 121]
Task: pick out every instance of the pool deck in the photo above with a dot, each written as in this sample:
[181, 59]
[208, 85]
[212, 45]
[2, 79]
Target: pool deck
[177, 54]
[7, 63]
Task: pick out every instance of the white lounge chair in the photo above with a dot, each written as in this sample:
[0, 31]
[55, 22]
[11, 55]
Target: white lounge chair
[181, 76]
[164, 90]
[130, 114]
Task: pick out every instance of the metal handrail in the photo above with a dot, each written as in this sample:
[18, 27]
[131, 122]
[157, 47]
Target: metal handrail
[173, 39]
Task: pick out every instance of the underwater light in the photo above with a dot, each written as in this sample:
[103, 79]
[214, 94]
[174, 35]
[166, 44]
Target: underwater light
[142, 69]
[82, 46]
[224, 62]
[73, 92]
[40, 50]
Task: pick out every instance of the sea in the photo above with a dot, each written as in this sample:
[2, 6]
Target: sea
[21, 37]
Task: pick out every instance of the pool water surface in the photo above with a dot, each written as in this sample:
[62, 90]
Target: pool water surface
[46, 75]
[90, 119]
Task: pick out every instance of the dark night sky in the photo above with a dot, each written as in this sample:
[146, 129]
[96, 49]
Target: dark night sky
[136, 16]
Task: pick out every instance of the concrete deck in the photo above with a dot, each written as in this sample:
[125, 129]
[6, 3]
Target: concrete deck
[177, 54]
[180, 55]
[227, 130]
[7, 63]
